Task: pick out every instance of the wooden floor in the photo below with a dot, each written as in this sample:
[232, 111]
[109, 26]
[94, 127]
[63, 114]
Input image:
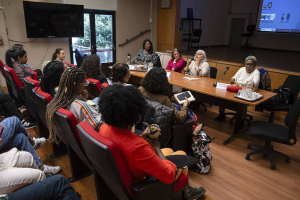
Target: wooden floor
[231, 176]
[284, 60]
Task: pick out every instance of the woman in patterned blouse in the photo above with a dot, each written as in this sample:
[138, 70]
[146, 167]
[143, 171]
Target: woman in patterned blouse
[147, 54]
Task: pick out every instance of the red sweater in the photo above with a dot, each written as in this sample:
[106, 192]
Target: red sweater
[178, 66]
[139, 155]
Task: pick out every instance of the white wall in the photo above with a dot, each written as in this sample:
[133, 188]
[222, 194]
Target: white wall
[217, 15]
[131, 18]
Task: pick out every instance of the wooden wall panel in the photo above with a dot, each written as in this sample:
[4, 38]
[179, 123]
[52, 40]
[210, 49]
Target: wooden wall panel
[168, 26]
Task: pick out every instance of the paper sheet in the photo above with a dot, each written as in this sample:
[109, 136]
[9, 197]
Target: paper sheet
[222, 86]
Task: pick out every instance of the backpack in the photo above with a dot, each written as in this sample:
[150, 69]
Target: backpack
[283, 96]
[201, 150]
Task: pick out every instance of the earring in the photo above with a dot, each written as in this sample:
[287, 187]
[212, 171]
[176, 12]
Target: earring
[139, 119]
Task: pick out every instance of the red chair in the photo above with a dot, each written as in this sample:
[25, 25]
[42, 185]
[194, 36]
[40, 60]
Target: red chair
[112, 176]
[95, 87]
[8, 83]
[17, 85]
[70, 64]
[41, 100]
[32, 74]
[29, 84]
[66, 123]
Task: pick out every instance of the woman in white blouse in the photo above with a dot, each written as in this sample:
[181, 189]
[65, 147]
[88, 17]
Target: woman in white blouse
[249, 73]
[246, 74]
[198, 66]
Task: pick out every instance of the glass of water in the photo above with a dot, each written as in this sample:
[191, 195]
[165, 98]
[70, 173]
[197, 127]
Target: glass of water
[186, 74]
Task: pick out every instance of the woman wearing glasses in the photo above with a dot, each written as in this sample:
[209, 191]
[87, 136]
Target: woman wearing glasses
[198, 66]
[249, 73]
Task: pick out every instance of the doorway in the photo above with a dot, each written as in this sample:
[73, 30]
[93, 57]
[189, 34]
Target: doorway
[99, 38]
[237, 29]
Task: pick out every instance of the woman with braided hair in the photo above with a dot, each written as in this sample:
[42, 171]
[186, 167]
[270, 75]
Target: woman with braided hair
[72, 95]
[92, 67]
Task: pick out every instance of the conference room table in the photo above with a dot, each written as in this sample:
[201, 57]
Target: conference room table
[207, 93]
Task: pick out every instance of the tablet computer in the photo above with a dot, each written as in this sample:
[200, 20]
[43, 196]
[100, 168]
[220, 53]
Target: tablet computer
[180, 97]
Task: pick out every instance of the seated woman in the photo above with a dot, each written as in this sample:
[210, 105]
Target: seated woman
[177, 63]
[18, 169]
[59, 55]
[120, 74]
[246, 74]
[92, 67]
[55, 188]
[121, 108]
[198, 66]
[14, 60]
[13, 134]
[52, 73]
[72, 96]
[155, 86]
[10, 109]
[147, 54]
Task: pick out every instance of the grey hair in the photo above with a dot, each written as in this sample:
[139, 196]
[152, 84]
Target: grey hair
[253, 58]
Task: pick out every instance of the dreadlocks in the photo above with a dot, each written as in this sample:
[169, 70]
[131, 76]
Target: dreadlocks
[91, 66]
[67, 92]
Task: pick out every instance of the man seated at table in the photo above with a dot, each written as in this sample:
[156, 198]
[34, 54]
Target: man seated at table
[247, 74]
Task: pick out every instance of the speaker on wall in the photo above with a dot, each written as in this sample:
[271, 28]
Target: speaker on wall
[166, 3]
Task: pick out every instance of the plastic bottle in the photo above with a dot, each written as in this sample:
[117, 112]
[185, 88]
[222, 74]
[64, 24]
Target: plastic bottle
[128, 59]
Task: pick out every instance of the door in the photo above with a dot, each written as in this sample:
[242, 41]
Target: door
[237, 29]
[99, 38]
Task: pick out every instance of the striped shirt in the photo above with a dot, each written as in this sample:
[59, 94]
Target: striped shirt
[85, 112]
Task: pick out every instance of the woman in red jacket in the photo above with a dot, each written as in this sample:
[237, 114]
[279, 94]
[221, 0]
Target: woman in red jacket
[177, 63]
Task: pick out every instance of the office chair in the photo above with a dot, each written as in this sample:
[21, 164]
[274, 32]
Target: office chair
[292, 82]
[194, 38]
[276, 133]
[250, 29]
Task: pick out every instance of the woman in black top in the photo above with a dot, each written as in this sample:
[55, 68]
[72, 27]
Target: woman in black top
[147, 54]
[92, 67]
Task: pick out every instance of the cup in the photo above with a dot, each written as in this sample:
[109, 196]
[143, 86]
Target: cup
[186, 74]
[154, 131]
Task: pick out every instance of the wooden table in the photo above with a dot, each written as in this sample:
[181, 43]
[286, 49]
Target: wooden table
[210, 94]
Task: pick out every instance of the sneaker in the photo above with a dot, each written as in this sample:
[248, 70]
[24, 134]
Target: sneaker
[28, 125]
[49, 169]
[38, 142]
[193, 193]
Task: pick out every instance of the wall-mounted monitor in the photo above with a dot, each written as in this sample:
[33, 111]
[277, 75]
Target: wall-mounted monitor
[44, 20]
[279, 16]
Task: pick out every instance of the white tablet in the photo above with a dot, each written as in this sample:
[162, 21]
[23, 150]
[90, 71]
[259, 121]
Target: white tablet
[180, 97]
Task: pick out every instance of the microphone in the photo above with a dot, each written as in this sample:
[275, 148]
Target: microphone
[215, 83]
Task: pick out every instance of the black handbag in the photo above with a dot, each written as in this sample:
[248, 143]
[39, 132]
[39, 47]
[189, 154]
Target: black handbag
[283, 96]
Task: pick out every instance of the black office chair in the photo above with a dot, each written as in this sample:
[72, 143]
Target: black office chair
[276, 133]
[194, 38]
[292, 82]
[79, 56]
[250, 29]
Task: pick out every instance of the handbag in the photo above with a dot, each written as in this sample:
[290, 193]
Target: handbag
[283, 96]
[201, 150]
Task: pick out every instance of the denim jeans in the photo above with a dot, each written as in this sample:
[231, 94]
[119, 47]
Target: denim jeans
[52, 188]
[15, 135]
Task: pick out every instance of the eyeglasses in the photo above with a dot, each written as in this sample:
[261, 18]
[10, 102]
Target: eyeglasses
[199, 54]
[249, 64]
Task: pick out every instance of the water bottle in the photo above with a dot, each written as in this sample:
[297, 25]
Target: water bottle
[128, 59]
